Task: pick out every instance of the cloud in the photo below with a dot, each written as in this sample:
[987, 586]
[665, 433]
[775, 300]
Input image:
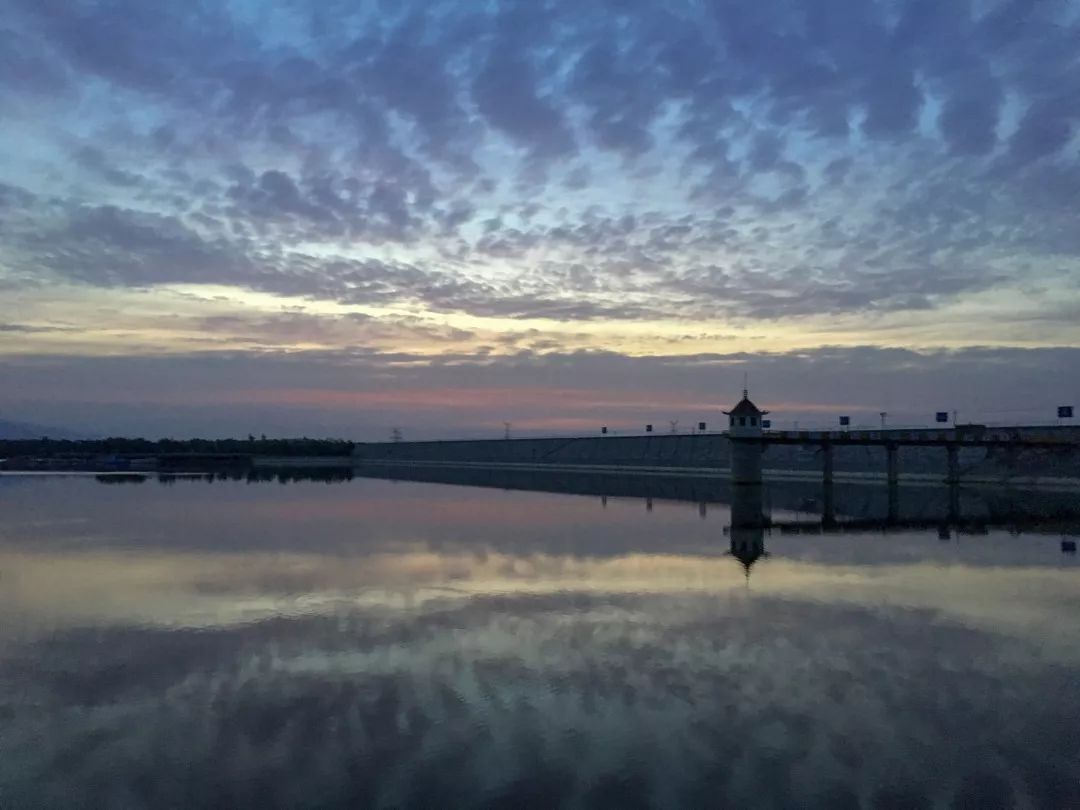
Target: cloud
[287, 330]
[507, 93]
[1045, 129]
[363, 391]
[970, 115]
[110, 246]
[32, 329]
[714, 166]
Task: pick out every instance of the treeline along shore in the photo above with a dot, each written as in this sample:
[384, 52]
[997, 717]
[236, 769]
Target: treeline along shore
[117, 453]
[259, 447]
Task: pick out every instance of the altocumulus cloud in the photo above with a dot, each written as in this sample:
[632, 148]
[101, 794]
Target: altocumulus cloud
[595, 162]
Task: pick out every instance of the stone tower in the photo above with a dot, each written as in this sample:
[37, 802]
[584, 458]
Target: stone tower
[744, 422]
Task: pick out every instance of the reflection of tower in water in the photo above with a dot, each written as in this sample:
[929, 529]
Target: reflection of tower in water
[748, 523]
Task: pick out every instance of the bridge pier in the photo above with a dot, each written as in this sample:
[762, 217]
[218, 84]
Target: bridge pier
[746, 466]
[892, 475]
[894, 502]
[828, 505]
[952, 474]
[828, 512]
[954, 503]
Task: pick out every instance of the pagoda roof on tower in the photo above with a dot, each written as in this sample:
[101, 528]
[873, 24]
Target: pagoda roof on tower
[745, 408]
[747, 562]
[747, 557]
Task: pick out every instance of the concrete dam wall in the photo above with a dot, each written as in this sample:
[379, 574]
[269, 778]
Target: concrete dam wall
[702, 450]
[712, 451]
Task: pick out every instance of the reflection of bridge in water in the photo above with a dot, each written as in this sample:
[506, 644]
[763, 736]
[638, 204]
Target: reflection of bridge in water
[861, 508]
[815, 508]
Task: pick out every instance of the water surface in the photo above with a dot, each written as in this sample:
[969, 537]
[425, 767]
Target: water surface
[379, 643]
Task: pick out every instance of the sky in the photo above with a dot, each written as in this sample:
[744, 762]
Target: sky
[338, 218]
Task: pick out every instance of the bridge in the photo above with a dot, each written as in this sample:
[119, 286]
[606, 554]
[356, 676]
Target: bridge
[827, 441]
[750, 439]
[747, 465]
[1024, 455]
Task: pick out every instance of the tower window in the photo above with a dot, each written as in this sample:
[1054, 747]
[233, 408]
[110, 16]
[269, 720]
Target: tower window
[742, 421]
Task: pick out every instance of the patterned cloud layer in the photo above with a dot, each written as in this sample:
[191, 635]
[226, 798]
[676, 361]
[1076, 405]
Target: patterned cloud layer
[544, 177]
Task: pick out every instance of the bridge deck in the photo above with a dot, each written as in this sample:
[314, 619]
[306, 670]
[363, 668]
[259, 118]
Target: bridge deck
[840, 439]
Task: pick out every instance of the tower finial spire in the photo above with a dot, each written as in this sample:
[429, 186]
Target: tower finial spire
[746, 385]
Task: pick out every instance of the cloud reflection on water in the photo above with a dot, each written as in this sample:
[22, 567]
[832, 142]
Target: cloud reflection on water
[388, 658]
[749, 697]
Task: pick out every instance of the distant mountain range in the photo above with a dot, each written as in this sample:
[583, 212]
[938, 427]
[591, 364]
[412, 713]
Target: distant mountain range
[28, 430]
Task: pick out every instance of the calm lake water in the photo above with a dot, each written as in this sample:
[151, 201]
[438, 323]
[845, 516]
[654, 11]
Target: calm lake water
[377, 643]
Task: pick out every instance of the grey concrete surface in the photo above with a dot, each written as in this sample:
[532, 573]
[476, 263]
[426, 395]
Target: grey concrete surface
[713, 450]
